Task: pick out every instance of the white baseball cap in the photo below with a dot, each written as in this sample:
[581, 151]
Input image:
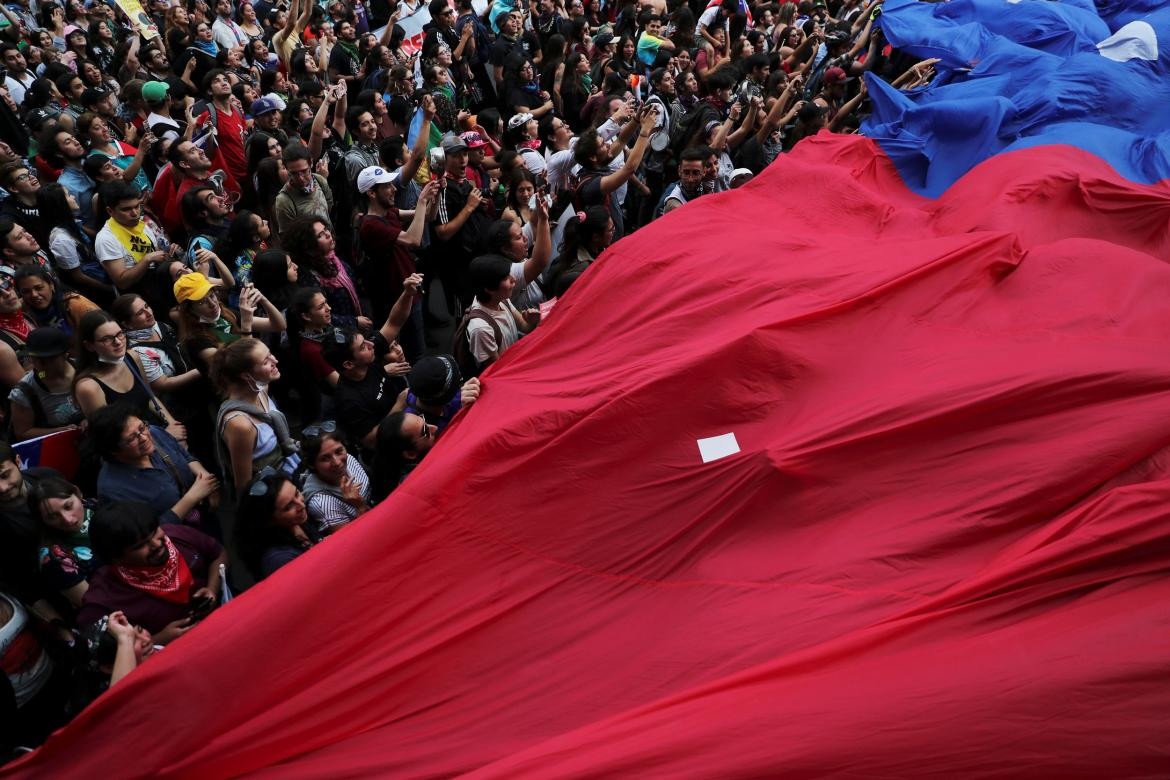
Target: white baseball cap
[373, 176]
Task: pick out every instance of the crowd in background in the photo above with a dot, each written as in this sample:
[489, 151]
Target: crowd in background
[253, 257]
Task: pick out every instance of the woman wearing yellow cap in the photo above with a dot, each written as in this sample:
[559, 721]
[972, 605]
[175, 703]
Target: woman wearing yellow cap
[204, 325]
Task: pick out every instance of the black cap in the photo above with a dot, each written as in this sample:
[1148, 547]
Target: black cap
[47, 343]
[810, 112]
[37, 117]
[93, 95]
[435, 379]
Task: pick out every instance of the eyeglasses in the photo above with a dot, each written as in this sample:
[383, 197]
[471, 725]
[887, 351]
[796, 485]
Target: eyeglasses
[426, 430]
[319, 430]
[141, 432]
[23, 177]
[259, 487]
[111, 339]
[5, 282]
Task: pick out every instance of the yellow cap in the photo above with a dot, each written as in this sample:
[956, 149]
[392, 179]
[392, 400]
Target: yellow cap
[191, 287]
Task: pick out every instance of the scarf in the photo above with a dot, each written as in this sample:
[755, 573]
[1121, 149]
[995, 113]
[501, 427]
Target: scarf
[207, 47]
[340, 280]
[16, 324]
[447, 90]
[719, 105]
[319, 335]
[170, 582]
[144, 334]
[134, 240]
[222, 330]
[349, 49]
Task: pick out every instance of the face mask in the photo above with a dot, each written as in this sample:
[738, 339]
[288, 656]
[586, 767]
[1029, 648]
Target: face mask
[208, 320]
[111, 361]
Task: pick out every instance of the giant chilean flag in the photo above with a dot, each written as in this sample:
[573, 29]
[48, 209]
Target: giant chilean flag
[860, 471]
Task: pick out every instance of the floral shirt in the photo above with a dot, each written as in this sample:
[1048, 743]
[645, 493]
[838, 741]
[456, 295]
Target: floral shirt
[67, 559]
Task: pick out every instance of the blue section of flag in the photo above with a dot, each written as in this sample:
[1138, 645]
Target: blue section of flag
[1021, 74]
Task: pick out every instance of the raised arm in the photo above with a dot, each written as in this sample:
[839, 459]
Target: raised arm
[250, 298]
[418, 152]
[542, 243]
[611, 182]
[317, 134]
[400, 312]
[412, 236]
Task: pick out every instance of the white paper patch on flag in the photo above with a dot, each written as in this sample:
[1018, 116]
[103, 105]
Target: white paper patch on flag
[717, 447]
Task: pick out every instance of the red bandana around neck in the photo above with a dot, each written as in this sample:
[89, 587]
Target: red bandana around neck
[15, 324]
[171, 582]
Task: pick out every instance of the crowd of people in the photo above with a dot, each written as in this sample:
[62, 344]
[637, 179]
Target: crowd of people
[253, 257]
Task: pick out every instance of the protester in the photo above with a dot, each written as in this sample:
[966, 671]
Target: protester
[272, 527]
[275, 199]
[164, 580]
[337, 489]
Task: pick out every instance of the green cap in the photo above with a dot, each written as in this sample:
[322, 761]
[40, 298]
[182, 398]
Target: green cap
[155, 90]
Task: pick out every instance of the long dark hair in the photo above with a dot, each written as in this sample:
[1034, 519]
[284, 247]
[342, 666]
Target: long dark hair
[254, 531]
[270, 275]
[40, 491]
[240, 235]
[87, 360]
[518, 177]
[300, 239]
[59, 290]
[257, 149]
[268, 184]
[53, 207]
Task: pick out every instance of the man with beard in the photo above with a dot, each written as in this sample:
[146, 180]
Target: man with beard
[305, 194]
[690, 179]
[165, 581]
[344, 60]
[364, 152]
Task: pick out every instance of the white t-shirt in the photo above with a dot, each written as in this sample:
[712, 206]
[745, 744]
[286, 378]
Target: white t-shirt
[108, 248]
[480, 335]
[16, 87]
[171, 130]
[533, 161]
[557, 168]
[29, 678]
[227, 33]
[63, 247]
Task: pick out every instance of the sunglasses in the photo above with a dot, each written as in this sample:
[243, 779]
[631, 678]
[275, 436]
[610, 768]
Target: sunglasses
[319, 430]
[259, 487]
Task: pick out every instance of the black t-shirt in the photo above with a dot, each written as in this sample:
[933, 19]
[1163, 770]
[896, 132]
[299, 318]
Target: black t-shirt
[590, 195]
[524, 98]
[504, 46]
[363, 404]
[20, 535]
[343, 62]
[468, 242]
